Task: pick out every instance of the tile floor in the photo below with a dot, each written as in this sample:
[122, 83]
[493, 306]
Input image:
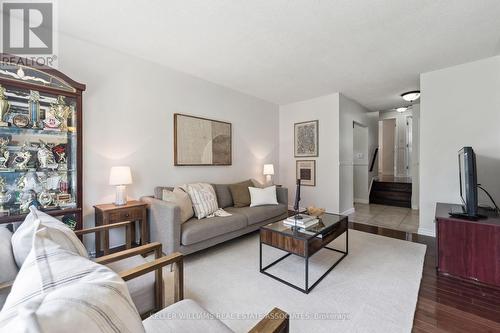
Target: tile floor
[397, 218]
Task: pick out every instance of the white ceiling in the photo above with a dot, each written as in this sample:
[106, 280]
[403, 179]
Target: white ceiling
[290, 50]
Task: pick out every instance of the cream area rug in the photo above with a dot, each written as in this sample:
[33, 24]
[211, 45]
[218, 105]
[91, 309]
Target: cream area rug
[374, 289]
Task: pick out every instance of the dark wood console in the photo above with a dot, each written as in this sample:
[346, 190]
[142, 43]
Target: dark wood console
[468, 249]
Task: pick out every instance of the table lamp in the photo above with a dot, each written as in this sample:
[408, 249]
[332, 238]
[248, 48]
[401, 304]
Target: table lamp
[268, 172]
[120, 176]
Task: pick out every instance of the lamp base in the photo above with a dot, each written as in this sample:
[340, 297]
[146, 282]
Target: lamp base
[121, 195]
[269, 180]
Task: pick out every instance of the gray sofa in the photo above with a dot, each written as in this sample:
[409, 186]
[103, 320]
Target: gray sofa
[194, 235]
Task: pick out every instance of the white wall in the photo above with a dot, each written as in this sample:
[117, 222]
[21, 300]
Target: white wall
[360, 164]
[128, 119]
[415, 157]
[460, 106]
[325, 109]
[350, 111]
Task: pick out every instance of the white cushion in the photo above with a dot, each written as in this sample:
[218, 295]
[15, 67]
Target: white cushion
[263, 196]
[203, 198]
[60, 233]
[185, 316]
[181, 199]
[57, 290]
[8, 269]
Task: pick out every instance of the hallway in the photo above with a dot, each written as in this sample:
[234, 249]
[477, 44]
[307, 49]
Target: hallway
[397, 218]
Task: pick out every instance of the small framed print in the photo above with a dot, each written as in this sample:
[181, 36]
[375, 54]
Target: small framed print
[306, 139]
[306, 172]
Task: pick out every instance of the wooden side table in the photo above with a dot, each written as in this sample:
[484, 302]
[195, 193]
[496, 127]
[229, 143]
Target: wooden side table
[110, 214]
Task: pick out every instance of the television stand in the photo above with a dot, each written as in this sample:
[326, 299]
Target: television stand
[468, 249]
[465, 216]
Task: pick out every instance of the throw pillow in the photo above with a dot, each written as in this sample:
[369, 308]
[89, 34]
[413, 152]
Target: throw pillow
[9, 269]
[181, 199]
[263, 196]
[240, 193]
[57, 290]
[22, 239]
[203, 198]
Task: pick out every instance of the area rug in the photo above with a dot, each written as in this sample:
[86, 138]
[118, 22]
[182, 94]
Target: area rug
[374, 289]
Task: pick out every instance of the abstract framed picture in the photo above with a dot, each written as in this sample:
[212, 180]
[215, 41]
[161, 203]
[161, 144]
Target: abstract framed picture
[201, 141]
[306, 139]
[306, 172]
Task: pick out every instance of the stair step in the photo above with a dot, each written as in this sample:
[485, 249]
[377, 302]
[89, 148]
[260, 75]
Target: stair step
[392, 194]
[388, 202]
[395, 187]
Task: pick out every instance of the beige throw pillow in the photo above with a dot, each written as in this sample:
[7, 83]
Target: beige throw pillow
[203, 198]
[181, 199]
[22, 239]
[241, 194]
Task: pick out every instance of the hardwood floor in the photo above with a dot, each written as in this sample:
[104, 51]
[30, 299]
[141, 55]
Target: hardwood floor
[446, 304]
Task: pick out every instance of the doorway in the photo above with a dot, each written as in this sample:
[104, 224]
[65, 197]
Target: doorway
[387, 145]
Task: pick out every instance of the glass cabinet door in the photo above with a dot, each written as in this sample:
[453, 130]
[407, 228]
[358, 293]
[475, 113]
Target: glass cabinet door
[38, 151]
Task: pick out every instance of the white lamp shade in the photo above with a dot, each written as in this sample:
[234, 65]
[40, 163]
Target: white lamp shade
[120, 175]
[268, 169]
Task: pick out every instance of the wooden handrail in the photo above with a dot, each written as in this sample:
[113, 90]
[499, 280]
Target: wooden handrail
[372, 164]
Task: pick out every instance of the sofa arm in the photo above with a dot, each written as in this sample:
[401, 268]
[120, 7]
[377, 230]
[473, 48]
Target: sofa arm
[164, 223]
[282, 194]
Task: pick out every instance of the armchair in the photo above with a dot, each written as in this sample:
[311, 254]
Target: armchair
[144, 277]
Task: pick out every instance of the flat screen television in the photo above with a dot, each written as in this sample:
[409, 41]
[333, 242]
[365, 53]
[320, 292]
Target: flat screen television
[468, 181]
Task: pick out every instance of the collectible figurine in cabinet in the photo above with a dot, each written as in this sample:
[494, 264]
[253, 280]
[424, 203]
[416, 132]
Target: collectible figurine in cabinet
[46, 157]
[22, 158]
[34, 108]
[61, 111]
[60, 156]
[4, 152]
[4, 107]
[4, 198]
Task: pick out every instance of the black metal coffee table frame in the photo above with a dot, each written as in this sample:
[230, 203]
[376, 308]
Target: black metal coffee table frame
[328, 236]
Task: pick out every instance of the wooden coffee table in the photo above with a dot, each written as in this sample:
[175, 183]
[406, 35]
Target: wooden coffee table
[305, 245]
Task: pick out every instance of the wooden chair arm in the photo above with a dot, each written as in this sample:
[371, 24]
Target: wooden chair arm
[276, 321]
[139, 250]
[157, 266]
[6, 286]
[103, 227]
[150, 266]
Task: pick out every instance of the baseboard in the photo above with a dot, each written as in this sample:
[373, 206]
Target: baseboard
[427, 232]
[363, 201]
[347, 212]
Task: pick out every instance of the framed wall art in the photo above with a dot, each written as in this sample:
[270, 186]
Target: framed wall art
[306, 139]
[201, 141]
[306, 172]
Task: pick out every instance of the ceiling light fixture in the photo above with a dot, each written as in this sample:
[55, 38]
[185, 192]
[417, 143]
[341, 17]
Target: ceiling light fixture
[411, 96]
[402, 109]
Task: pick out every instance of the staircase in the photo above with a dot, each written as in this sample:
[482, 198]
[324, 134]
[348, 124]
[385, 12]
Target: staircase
[391, 193]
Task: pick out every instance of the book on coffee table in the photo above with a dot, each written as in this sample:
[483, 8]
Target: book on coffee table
[302, 224]
[302, 218]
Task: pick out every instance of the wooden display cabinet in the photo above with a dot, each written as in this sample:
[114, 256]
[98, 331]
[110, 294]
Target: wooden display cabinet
[40, 142]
